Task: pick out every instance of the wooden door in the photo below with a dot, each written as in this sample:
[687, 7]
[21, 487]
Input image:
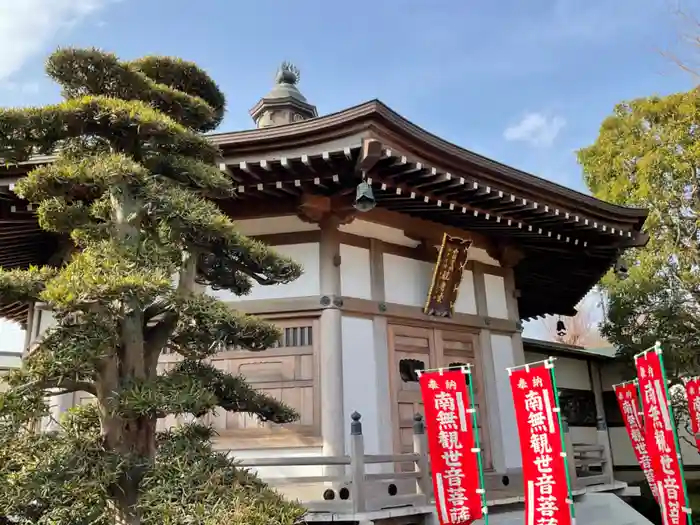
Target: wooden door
[411, 349]
[414, 348]
[456, 349]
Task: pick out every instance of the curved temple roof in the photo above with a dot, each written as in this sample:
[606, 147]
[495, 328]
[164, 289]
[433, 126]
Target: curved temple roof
[426, 146]
[568, 240]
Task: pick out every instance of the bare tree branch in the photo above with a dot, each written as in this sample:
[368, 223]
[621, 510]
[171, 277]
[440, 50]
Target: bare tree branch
[581, 329]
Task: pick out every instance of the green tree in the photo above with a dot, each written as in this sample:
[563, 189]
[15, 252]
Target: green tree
[132, 191]
[648, 155]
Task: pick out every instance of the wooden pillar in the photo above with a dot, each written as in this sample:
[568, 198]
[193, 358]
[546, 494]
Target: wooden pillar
[380, 329]
[514, 314]
[29, 331]
[331, 358]
[601, 425]
[489, 373]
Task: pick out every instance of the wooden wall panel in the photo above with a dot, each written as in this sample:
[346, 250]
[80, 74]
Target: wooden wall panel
[287, 372]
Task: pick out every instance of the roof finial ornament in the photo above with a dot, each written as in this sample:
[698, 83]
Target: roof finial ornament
[288, 73]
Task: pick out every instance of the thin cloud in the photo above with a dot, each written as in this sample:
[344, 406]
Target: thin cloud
[28, 26]
[26, 88]
[536, 129]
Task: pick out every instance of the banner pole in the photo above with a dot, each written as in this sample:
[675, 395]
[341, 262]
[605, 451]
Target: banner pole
[640, 411]
[572, 510]
[527, 366]
[643, 352]
[625, 383]
[659, 352]
[485, 509]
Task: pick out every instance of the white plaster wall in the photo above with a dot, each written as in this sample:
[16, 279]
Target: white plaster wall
[407, 281]
[284, 471]
[380, 232]
[623, 454]
[46, 321]
[271, 225]
[503, 358]
[391, 235]
[496, 302]
[360, 392]
[466, 297]
[275, 476]
[8, 362]
[570, 372]
[306, 254]
[355, 277]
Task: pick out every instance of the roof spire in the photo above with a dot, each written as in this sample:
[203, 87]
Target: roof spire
[284, 104]
[288, 73]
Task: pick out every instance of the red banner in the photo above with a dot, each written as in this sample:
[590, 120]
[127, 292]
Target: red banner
[661, 440]
[453, 451]
[692, 391]
[544, 466]
[628, 400]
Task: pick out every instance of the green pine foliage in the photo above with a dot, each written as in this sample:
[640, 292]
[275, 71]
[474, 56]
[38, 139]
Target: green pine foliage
[648, 155]
[132, 188]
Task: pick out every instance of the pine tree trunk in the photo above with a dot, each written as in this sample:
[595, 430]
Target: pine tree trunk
[125, 511]
[125, 516]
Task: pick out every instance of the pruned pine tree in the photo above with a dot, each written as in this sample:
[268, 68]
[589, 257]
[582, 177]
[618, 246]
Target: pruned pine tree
[132, 188]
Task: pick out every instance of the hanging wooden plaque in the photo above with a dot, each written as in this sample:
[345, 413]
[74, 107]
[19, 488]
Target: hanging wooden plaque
[447, 276]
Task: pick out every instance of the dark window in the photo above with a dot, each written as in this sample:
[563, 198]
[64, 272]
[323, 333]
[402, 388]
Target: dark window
[458, 366]
[408, 369]
[296, 336]
[613, 416]
[578, 406]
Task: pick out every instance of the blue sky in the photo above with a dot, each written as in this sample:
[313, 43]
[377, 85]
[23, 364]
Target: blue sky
[526, 83]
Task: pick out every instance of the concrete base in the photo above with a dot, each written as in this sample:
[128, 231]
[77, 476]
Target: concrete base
[591, 509]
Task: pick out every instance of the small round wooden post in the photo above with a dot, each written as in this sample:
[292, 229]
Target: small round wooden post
[357, 464]
[420, 448]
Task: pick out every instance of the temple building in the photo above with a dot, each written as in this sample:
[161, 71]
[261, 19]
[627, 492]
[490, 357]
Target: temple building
[362, 199]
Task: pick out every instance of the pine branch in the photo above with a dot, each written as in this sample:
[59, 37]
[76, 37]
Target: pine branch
[204, 229]
[206, 325]
[58, 386]
[24, 285]
[24, 132]
[173, 393]
[233, 394]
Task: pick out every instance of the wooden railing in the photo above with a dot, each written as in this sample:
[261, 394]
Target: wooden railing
[346, 487]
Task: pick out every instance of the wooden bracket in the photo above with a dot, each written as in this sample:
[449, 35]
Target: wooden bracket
[508, 255]
[370, 154]
[318, 208]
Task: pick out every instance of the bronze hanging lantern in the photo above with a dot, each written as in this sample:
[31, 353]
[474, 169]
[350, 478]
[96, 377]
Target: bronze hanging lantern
[364, 197]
